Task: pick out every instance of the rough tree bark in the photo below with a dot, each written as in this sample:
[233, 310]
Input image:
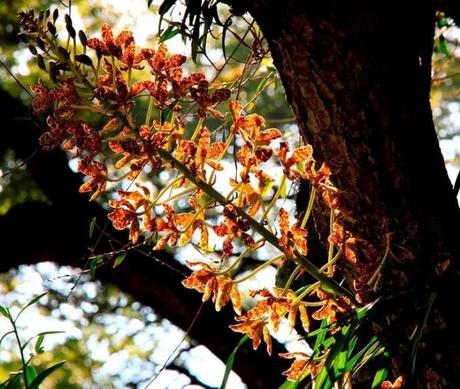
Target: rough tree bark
[357, 75]
[58, 231]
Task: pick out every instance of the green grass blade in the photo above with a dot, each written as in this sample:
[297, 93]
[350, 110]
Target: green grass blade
[231, 360]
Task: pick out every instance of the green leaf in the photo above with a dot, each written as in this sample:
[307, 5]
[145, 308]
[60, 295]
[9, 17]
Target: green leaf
[38, 335]
[336, 359]
[352, 362]
[327, 343]
[341, 361]
[38, 344]
[165, 6]
[92, 225]
[166, 115]
[31, 302]
[443, 47]
[231, 360]
[95, 262]
[320, 338]
[44, 374]
[4, 311]
[169, 33]
[119, 259]
[31, 374]
[351, 346]
[443, 22]
[379, 378]
[289, 385]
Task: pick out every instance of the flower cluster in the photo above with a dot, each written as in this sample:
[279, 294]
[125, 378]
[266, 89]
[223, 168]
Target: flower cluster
[97, 76]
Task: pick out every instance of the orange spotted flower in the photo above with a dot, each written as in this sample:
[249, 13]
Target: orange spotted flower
[97, 172]
[292, 238]
[110, 45]
[276, 306]
[255, 329]
[257, 142]
[167, 225]
[193, 221]
[332, 308]
[126, 211]
[233, 227]
[43, 99]
[203, 152]
[132, 60]
[116, 92]
[271, 309]
[220, 287]
[207, 100]
[397, 384]
[301, 165]
[250, 198]
[301, 367]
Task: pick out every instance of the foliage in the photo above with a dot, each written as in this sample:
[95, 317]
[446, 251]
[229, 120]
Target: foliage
[27, 376]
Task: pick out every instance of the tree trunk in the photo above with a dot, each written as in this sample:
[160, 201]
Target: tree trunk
[357, 75]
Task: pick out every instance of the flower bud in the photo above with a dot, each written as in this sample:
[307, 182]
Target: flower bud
[51, 28]
[33, 50]
[68, 20]
[23, 37]
[63, 52]
[41, 44]
[71, 31]
[55, 14]
[84, 59]
[53, 71]
[41, 62]
[83, 39]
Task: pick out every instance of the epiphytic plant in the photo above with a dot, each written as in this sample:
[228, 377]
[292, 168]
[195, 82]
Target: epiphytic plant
[96, 75]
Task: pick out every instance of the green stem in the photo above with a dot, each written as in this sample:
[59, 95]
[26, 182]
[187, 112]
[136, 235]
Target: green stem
[291, 279]
[148, 117]
[258, 269]
[21, 351]
[197, 129]
[240, 257]
[330, 253]
[176, 196]
[332, 260]
[373, 280]
[311, 201]
[273, 202]
[306, 292]
[309, 267]
[114, 75]
[165, 189]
